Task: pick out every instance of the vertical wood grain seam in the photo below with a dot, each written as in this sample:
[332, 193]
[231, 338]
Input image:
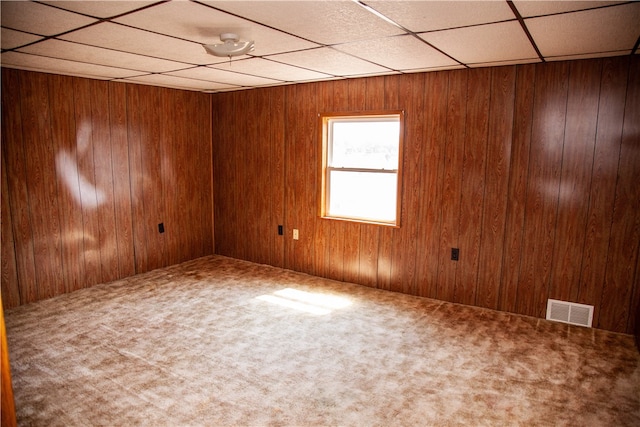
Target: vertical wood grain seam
[525, 216]
[436, 292]
[62, 266]
[113, 180]
[132, 192]
[484, 188]
[213, 154]
[590, 191]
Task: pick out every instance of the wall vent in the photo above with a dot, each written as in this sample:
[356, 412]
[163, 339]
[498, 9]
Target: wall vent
[570, 312]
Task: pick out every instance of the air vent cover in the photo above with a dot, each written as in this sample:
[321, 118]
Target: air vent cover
[570, 312]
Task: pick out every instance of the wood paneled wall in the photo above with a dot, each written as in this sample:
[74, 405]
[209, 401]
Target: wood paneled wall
[531, 170]
[89, 170]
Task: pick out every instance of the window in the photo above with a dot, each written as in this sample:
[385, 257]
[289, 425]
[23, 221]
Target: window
[361, 158]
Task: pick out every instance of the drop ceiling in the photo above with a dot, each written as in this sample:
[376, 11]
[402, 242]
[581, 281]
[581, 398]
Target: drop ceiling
[160, 42]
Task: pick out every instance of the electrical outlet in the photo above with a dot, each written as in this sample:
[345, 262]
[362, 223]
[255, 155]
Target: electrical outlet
[296, 235]
[455, 254]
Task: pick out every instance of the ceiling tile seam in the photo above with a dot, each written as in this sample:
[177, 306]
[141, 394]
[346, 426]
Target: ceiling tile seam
[568, 12]
[186, 64]
[361, 59]
[192, 79]
[142, 72]
[217, 69]
[406, 30]
[291, 65]
[261, 24]
[133, 27]
[266, 57]
[525, 29]
[109, 18]
[461, 27]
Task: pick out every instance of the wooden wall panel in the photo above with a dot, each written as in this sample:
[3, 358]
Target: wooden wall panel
[473, 176]
[224, 158]
[171, 124]
[276, 169]
[493, 226]
[388, 272]
[153, 170]
[575, 180]
[603, 182]
[88, 193]
[411, 90]
[121, 179]
[103, 171]
[620, 277]
[18, 195]
[41, 186]
[451, 190]
[69, 196]
[9, 281]
[541, 207]
[263, 227]
[431, 184]
[516, 193]
[85, 166]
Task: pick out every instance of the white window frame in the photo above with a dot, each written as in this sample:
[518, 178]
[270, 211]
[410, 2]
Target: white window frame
[326, 120]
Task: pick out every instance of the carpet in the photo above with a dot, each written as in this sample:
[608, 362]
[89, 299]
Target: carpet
[222, 342]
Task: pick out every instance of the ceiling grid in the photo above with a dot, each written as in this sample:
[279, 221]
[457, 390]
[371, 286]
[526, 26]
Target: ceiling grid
[160, 43]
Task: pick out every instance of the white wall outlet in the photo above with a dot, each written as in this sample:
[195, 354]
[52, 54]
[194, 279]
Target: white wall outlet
[295, 234]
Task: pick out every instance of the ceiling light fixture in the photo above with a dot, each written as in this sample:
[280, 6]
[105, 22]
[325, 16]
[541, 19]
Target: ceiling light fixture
[230, 46]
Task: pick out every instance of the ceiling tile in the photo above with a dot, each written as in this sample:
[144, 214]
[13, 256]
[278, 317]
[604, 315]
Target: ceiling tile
[272, 70]
[399, 53]
[97, 55]
[224, 76]
[178, 83]
[582, 32]
[504, 41]
[528, 8]
[100, 9]
[39, 18]
[12, 39]
[61, 66]
[329, 61]
[325, 22]
[203, 24]
[120, 37]
[422, 16]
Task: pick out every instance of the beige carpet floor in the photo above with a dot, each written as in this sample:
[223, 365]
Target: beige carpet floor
[220, 342]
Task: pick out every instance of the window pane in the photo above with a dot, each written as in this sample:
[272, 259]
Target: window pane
[365, 144]
[363, 195]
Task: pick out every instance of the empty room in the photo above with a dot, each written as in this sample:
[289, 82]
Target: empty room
[320, 213]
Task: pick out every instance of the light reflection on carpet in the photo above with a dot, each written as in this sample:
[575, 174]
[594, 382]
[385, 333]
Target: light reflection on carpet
[309, 302]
